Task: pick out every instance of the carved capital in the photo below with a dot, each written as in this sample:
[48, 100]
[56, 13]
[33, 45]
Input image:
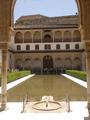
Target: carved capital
[4, 46]
[87, 46]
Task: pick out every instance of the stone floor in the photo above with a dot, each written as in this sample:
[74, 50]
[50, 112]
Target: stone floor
[14, 111]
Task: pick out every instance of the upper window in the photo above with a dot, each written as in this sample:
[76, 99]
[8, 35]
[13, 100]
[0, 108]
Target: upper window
[18, 47]
[76, 46]
[67, 46]
[27, 37]
[27, 47]
[47, 38]
[47, 47]
[76, 36]
[58, 36]
[36, 47]
[57, 46]
[37, 37]
[18, 37]
[67, 36]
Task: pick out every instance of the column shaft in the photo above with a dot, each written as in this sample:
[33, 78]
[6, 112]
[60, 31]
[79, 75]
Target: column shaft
[88, 78]
[4, 80]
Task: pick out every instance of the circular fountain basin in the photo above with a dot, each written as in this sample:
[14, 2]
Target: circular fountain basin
[42, 106]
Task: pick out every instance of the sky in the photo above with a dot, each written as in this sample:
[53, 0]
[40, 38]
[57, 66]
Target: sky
[45, 7]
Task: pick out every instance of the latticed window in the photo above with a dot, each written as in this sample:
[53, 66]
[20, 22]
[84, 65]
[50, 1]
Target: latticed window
[47, 47]
[18, 47]
[37, 37]
[67, 46]
[27, 37]
[36, 47]
[58, 36]
[57, 46]
[67, 36]
[47, 38]
[27, 47]
[76, 36]
[76, 46]
[18, 37]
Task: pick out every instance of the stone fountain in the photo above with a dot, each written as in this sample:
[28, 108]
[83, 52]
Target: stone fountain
[47, 103]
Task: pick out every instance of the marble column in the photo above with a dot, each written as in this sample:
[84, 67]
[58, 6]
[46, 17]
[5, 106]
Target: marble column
[87, 48]
[88, 78]
[4, 80]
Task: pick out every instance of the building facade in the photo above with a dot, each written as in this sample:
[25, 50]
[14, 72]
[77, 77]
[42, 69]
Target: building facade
[47, 44]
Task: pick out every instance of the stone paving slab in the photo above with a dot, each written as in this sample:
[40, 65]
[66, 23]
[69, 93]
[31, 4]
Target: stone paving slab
[78, 112]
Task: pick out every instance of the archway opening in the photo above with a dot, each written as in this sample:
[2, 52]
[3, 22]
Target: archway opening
[50, 66]
[48, 63]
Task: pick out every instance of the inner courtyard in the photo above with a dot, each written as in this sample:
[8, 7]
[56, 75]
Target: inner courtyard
[44, 44]
[52, 40]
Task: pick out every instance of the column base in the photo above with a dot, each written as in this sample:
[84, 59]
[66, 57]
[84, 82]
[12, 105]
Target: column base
[3, 107]
[87, 118]
[88, 105]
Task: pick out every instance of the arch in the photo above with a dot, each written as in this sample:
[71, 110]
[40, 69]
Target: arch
[27, 37]
[19, 64]
[37, 63]
[47, 38]
[37, 37]
[76, 36]
[77, 63]
[18, 37]
[68, 63]
[67, 36]
[47, 62]
[58, 63]
[58, 36]
[27, 64]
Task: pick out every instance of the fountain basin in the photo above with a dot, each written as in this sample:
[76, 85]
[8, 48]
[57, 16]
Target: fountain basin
[44, 106]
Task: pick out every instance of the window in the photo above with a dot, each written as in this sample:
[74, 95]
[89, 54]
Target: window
[27, 37]
[47, 38]
[67, 36]
[27, 47]
[18, 37]
[47, 47]
[57, 46]
[76, 46]
[76, 36]
[36, 47]
[37, 37]
[18, 47]
[67, 46]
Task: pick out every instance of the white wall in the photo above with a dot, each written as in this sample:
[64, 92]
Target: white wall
[53, 45]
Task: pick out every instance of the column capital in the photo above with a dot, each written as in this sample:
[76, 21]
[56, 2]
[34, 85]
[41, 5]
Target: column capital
[3, 46]
[87, 45]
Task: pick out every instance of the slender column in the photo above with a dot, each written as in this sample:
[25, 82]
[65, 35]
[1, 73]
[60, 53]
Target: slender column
[32, 36]
[4, 80]
[41, 36]
[62, 36]
[53, 35]
[88, 79]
